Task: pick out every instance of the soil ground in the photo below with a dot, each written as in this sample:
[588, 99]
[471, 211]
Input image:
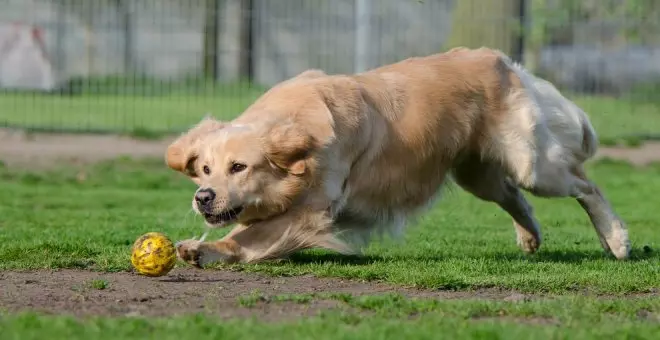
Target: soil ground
[19, 148]
[183, 291]
[187, 291]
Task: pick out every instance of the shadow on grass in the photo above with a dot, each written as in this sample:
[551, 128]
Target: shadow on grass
[574, 256]
[181, 279]
[558, 256]
[351, 260]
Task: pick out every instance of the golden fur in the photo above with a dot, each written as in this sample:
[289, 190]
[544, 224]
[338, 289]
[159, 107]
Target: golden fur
[332, 160]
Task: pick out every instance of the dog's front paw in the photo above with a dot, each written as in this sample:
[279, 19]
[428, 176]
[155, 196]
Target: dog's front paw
[199, 254]
[188, 251]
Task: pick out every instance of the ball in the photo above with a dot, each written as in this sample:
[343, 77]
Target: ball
[153, 254]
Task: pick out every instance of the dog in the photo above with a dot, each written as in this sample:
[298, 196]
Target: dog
[331, 161]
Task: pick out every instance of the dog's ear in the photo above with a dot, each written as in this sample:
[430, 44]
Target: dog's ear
[183, 152]
[289, 148]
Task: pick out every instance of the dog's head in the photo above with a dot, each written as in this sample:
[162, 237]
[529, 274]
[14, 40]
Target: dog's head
[244, 172]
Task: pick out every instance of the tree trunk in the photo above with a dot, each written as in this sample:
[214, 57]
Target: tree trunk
[488, 23]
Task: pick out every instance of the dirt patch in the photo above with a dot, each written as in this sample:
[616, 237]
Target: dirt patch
[189, 291]
[18, 148]
[645, 154]
[226, 294]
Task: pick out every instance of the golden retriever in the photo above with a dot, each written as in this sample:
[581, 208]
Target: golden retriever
[330, 161]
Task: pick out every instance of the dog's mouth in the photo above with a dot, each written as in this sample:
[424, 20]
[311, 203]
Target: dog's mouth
[223, 217]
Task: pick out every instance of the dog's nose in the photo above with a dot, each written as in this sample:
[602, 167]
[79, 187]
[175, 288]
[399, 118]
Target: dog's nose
[204, 197]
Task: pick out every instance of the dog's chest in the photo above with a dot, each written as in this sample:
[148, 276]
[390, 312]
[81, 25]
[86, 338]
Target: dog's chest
[366, 210]
[384, 185]
[393, 189]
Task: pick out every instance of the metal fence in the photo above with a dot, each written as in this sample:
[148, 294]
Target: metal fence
[160, 65]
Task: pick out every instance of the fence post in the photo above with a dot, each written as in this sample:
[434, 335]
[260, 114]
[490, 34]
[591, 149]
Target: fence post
[124, 8]
[362, 34]
[210, 44]
[522, 19]
[60, 32]
[246, 64]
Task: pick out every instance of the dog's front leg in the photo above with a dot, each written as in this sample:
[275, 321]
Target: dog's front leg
[198, 253]
[271, 239]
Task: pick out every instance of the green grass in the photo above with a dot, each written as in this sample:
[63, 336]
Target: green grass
[99, 284]
[613, 118]
[378, 317]
[560, 309]
[137, 115]
[53, 220]
[50, 220]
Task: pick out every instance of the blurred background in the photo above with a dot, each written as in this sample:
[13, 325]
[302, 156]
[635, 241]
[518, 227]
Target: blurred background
[154, 67]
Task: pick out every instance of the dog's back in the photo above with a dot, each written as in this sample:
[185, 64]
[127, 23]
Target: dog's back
[447, 107]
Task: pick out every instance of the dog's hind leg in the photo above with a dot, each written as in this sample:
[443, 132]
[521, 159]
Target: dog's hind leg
[488, 182]
[528, 233]
[559, 180]
[611, 229]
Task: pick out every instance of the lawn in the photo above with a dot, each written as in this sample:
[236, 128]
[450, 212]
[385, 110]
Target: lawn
[121, 113]
[390, 318]
[628, 119]
[462, 243]
[56, 220]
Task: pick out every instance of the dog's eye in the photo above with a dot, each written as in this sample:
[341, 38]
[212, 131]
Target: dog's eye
[206, 169]
[237, 167]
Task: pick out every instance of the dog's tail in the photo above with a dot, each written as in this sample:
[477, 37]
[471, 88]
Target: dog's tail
[589, 140]
[589, 137]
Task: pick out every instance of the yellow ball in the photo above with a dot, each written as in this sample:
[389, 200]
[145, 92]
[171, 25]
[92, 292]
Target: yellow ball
[153, 254]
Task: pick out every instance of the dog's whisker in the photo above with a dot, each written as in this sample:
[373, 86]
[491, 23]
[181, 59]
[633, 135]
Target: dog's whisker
[204, 235]
[186, 217]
